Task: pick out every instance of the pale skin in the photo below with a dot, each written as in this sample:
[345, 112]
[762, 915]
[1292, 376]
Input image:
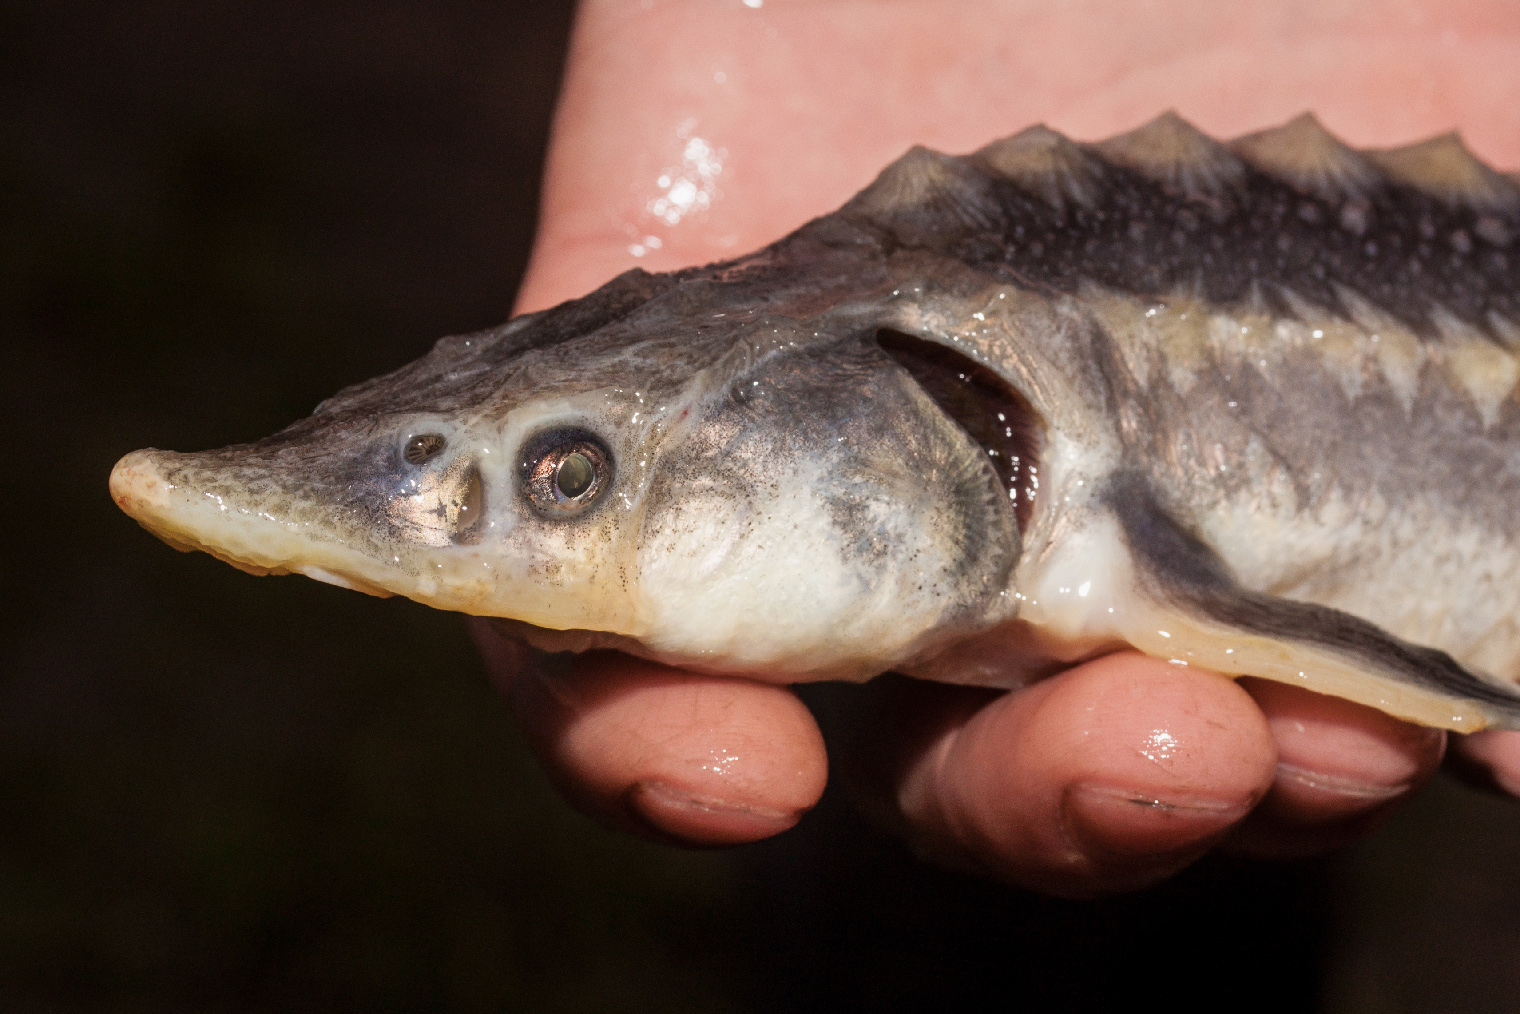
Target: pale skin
[1117, 772]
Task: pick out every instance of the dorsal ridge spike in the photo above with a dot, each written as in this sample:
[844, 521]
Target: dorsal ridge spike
[1306, 156]
[926, 193]
[1045, 163]
[1444, 168]
[915, 176]
[1179, 156]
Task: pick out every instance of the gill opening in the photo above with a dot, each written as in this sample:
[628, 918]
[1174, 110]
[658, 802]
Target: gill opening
[987, 407]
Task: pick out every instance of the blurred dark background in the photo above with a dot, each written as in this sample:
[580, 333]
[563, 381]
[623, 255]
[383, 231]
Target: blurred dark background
[227, 794]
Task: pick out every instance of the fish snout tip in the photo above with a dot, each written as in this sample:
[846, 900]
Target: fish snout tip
[165, 509]
[138, 486]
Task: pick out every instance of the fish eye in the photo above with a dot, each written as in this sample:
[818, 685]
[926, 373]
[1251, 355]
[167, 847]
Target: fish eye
[423, 447]
[566, 472]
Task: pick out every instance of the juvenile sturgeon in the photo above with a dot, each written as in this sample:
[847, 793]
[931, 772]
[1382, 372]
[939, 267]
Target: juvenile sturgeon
[1245, 406]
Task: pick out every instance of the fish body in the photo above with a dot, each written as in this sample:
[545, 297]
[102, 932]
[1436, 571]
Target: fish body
[1249, 407]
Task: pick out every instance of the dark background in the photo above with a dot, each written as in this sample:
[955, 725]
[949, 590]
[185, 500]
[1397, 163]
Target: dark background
[220, 793]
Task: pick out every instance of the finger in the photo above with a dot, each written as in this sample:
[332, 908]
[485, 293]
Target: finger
[699, 760]
[1490, 758]
[1341, 769]
[1110, 775]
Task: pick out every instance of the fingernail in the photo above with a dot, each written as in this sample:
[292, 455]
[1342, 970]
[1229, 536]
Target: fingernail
[1341, 749]
[1338, 784]
[706, 820]
[1123, 822]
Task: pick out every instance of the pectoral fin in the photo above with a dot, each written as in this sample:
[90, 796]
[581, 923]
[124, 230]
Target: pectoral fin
[1192, 612]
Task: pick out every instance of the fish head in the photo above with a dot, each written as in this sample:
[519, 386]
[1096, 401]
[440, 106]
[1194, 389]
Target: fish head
[758, 492]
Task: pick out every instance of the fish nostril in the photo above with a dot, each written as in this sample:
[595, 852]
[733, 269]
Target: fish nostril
[423, 447]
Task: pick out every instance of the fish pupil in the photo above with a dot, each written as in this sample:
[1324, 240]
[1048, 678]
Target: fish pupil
[574, 476]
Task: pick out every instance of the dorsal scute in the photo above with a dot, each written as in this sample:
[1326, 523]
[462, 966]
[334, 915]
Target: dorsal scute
[926, 195]
[1444, 168]
[1179, 156]
[1047, 165]
[1306, 156]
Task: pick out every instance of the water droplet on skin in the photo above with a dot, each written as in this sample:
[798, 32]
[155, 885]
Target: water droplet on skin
[691, 186]
[1159, 745]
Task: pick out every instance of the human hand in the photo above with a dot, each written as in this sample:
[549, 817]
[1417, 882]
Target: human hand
[746, 119]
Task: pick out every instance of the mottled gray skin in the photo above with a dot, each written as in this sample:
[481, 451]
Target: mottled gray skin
[1324, 454]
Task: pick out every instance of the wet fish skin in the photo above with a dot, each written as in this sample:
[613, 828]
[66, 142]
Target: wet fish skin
[721, 411]
[1259, 408]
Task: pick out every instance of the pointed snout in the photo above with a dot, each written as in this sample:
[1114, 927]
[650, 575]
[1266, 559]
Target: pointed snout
[348, 510]
[186, 518]
[187, 501]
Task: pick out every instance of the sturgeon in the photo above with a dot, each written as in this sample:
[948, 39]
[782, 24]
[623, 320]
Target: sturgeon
[1245, 406]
